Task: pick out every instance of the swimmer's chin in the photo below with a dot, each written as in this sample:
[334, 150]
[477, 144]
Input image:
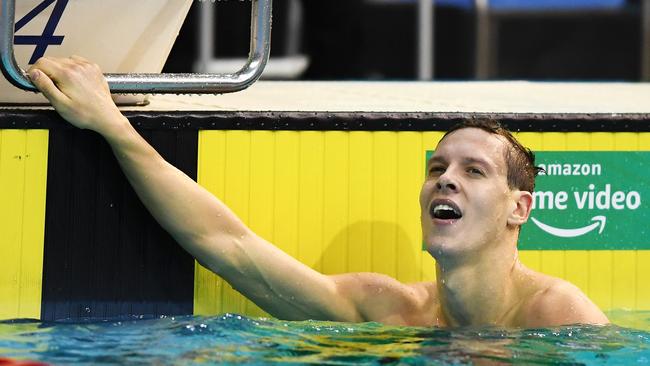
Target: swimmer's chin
[440, 249]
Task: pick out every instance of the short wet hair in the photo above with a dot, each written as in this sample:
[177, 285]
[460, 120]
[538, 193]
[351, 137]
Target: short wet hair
[520, 160]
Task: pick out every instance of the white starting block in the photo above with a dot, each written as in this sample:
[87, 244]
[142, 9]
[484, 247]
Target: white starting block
[120, 35]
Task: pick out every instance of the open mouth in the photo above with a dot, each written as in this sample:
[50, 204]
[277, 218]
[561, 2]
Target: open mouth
[444, 210]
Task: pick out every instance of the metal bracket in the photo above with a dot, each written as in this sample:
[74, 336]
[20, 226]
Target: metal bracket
[135, 83]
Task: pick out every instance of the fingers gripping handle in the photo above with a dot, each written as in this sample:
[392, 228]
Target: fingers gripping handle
[260, 48]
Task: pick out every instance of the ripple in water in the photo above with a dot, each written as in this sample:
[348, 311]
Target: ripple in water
[237, 339]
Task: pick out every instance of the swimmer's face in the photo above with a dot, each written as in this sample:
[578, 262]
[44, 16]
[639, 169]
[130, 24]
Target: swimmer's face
[465, 200]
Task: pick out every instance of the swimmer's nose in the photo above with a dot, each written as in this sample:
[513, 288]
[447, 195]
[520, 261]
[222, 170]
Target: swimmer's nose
[446, 184]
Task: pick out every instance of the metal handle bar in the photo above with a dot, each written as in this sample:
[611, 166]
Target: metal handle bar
[135, 83]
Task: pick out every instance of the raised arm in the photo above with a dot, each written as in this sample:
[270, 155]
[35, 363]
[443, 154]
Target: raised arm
[202, 224]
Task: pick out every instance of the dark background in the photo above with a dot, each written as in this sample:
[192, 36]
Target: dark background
[352, 39]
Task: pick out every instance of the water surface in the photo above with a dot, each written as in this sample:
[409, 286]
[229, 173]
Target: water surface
[237, 339]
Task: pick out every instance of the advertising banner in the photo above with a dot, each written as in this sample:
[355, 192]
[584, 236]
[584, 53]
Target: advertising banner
[590, 200]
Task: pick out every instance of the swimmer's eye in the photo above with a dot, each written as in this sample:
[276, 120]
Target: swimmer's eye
[436, 170]
[475, 171]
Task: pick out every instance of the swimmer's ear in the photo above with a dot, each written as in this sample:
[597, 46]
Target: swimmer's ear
[523, 203]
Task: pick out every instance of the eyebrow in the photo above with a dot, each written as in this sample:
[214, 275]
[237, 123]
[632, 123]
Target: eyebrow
[466, 160]
[479, 161]
[436, 159]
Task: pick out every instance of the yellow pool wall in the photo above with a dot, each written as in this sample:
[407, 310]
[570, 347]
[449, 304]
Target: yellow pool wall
[338, 201]
[23, 181]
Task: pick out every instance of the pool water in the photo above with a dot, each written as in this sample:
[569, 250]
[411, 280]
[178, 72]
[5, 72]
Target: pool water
[237, 339]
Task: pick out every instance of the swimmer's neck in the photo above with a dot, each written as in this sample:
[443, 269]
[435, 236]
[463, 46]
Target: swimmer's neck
[482, 290]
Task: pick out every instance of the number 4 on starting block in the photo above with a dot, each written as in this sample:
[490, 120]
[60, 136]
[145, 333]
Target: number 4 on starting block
[47, 38]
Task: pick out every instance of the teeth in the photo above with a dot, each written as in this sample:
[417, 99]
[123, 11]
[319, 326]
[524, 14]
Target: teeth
[439, 208]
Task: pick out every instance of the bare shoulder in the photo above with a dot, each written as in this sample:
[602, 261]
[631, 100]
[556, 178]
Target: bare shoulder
[381, 298]
[559, 302]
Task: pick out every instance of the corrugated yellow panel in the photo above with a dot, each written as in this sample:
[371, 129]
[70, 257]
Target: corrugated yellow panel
[286, 181]
[33, 223]
[211, 175]
[600, 261]
[384, 203]
[576, 268]
[578, 141]
[531, 259]
[12, 181]
[237, 196]
[360, 198]
[626, 141]
[310, 198]
[552, 261]
[335, 202]
[410, 174]
[23, 177]
[430, 142]
[624, 279]
[603, 141]
[643, 141]
[428, 267]
[531, 140]
[261, 195]
[643, 277]
[554, 141]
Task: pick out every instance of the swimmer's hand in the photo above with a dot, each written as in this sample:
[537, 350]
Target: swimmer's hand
[77, 90]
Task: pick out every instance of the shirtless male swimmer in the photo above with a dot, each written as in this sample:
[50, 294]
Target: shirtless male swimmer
[475, 198]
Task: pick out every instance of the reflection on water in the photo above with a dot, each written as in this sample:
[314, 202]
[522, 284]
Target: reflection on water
[234, 339]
